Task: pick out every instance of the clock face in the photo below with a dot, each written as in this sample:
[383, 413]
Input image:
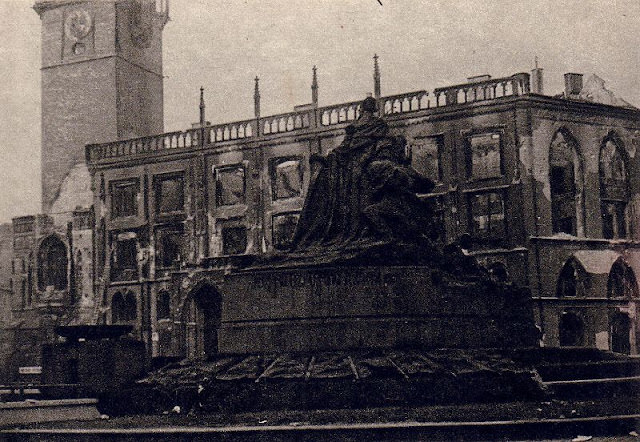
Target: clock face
[78, 24]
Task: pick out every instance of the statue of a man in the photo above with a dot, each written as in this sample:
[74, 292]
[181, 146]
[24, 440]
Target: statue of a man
[352, 195]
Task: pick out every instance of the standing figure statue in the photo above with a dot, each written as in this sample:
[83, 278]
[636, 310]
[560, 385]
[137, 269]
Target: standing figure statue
[364, 192]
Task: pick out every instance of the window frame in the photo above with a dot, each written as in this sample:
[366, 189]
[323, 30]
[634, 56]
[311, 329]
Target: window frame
[488, 238]
[217, 171]
[468, 135]
[128, 182]
[157, 187]
[273, 175]
[440, 143]
[286, 245]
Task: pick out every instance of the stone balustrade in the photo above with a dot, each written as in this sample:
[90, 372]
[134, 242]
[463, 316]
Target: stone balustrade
[340, 113]
[421, 100]
[515, 85]
[285, 122]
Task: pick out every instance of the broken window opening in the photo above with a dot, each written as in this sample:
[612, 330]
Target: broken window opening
[426, 156]
[234, 239]
[230, 185]
[163, 305]
[487, 215]
[169, 190]
[568, 281]
[123, 307]
[614, 191]
[52, 264]
[125, 258]
[284, 227]
[169, 243]
[571, 330]
[563, 177]
[485, 155]
[286, 177]
[622, 282]
[124, 198]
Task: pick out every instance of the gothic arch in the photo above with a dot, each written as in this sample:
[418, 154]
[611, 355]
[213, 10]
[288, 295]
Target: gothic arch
[622, 282]
[566, 182]
[614, 186]
[570, 279]
[201, 317]
[52, 263]
[124, 307]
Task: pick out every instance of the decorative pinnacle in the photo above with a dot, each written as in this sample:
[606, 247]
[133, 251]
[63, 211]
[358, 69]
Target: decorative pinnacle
[376, 77]
[314, 87]
[202, 106]
[256, 98]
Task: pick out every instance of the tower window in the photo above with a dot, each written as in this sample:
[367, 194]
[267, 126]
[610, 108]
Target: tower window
[124, 198]
[230, 185]
[286, 177]
[169, 192]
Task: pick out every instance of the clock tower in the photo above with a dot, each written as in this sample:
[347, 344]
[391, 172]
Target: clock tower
[101, 81]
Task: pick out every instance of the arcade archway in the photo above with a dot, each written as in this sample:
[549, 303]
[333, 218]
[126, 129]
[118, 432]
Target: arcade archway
[201, 319]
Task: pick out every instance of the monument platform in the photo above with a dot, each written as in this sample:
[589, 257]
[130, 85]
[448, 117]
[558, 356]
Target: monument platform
[317, 307]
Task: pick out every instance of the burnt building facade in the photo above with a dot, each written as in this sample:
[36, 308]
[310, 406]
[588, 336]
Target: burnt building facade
[102, 80]
[543, 189]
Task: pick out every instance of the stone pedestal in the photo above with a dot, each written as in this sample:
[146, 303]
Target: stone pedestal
[314, 308]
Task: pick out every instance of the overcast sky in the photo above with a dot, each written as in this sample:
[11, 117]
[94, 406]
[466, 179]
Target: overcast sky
[223, 44]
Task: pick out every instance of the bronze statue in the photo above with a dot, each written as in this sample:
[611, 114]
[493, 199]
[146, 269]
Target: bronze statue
[364, 191]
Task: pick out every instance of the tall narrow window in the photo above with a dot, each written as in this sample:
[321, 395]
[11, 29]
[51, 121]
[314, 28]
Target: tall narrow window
[163, 305]
[622, 282]
[614, 190]
[169, 242]
[286, 177]
[564, 174]
[124, 198]
[426, 156]
[169, 191]
[568, 280]
[52, 264]
[230, 185]
[124, 265]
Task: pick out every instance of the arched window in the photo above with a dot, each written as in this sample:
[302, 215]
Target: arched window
[568, 280]
[565, 179]
[614, 190]
[123, 307]
[52, 264]
[571, 330]
[163, 305]
[622, 282]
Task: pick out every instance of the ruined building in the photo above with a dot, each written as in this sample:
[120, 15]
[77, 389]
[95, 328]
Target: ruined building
[101, 81]
[544, 190]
